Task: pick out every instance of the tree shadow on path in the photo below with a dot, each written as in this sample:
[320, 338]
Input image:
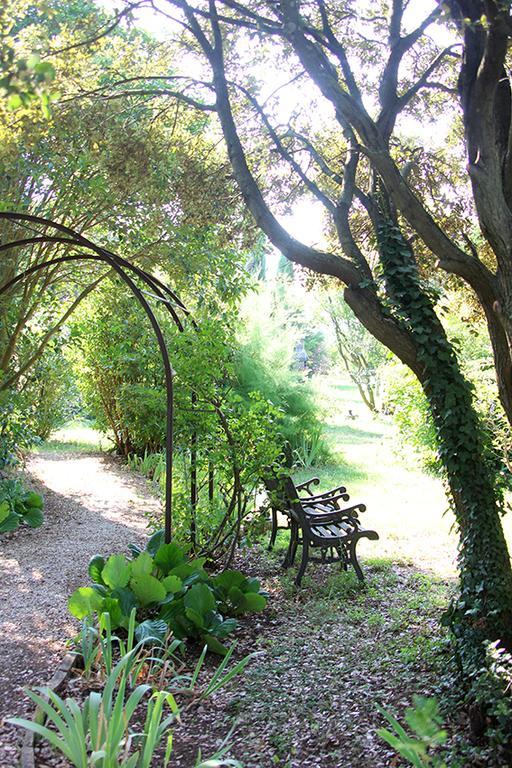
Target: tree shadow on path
[92, 504]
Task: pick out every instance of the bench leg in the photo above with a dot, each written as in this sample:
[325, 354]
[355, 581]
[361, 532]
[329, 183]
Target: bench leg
[342, 556]
[273, 532]
[292, 549]
[354, 561]
[304, 560]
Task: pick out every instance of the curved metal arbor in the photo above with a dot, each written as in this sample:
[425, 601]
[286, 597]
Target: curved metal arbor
[158, 291]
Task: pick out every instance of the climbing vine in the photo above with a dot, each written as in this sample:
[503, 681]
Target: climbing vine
[483, 610]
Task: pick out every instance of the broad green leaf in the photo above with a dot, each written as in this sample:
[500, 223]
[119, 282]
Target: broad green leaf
[169, 556]
[154, 542]
[188, 574]
[34, 500]
[34, 517]
[95, 567]
[10, 523]
[228, 579]
[226, 627]
[147, 589]
[4, 510]
[127, 600]
[143, 564]
[196, 618]
[116, 572]
[172, 584]
[254, 602]
[252, 585]
[200, 598]
[151, 630]
[84, 602]
[215, 645]
[236, 597]
[112, 606]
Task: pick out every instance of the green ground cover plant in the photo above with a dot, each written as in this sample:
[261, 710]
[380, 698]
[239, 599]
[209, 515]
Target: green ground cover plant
[168, 591]
[18, 506]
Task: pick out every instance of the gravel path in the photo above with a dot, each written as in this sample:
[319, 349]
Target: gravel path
[92, 504]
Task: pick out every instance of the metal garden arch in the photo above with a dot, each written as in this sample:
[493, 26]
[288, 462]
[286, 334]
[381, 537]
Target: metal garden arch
[157, 291]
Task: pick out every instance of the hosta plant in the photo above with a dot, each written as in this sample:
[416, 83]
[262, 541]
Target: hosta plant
[238, 594]
[19, 505]
[167, 591]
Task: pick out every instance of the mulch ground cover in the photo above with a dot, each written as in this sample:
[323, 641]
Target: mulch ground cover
[323, 657]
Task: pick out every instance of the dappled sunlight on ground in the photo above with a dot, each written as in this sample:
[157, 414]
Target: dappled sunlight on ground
[92, 504]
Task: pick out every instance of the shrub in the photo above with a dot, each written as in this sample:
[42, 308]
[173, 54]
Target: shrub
[258, 369]
[19, 505]
[16, 433]
[404, 399]
[168, 591]
[50, 395]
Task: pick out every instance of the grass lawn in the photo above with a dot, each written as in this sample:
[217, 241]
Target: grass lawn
[407, 506]
[77, 436]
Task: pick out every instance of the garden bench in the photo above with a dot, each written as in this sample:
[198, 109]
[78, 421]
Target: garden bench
[310, 496]
[318, 522]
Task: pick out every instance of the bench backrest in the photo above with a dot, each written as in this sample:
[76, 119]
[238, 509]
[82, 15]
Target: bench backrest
[283, 496]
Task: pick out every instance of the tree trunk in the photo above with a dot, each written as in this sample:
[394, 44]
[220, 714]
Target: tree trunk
[484, 608]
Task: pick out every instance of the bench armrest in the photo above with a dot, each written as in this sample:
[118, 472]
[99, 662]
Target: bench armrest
[340, 489]
[305, 486]
[327, 499]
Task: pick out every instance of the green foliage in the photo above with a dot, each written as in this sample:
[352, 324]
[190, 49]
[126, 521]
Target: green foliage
[25, 80]
[483, 610]
[237, 594]
[163, 585]
[49, 398]
[426, 724]
[100, 732]
[492, 688]
[150, 641]
[16, 433]
[362, 355]
[19, 505]
[118, 369]
[266, 368]
[405, 400]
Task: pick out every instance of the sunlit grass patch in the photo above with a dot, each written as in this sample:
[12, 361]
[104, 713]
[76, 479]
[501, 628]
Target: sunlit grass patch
[78, 436]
